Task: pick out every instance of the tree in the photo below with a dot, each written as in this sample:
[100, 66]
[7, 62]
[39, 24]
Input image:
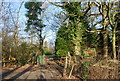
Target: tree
[108, 22]
[34, 22]
[63, 43]
[46, 48]
[118, 31]
[10, 30]
[101, 11]
[72, 34]
[74, 26]
[113, 20]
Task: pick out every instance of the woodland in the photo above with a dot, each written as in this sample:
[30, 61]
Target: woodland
[87, 37]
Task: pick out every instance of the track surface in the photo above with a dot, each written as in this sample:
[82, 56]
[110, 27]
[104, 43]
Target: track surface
[49, 71]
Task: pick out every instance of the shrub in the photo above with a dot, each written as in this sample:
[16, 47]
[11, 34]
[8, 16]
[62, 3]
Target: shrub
[48, 53]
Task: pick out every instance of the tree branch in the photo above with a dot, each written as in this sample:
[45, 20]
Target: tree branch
[115, 8]
[94, 31]
[55, 4]
[99, 22]
[97, 14]
[18, 12]
[89, 7]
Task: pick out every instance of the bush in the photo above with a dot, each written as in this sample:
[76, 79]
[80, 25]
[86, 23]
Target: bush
[21, 62]
[48, 53]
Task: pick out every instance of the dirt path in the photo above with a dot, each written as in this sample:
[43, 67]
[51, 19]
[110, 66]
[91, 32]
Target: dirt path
[49, 71]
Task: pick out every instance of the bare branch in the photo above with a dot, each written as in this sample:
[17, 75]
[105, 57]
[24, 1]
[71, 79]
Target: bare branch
[94, 31]
[55, 4]
[89, 7]
[115, 8]
[96, 14]
[18, 12]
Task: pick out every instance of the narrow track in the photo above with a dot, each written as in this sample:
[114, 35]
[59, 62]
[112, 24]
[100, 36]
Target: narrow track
[50, 71]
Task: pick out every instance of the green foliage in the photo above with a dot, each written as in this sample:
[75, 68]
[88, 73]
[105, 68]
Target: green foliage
[62, 41]
[73, 34]
[34, 23]
[85, 70]
[33, 14]
[24, 52]
[48, 53]
[69, 35]
[21, 62]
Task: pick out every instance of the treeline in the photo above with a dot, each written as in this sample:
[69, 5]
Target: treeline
[18, 47]
[83, 25]
[89, 25]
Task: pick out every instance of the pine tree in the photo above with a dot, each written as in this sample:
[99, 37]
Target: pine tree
[34, 22]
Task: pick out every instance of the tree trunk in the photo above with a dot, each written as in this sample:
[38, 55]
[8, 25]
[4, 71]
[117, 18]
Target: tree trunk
[77, 50]
[105, 29]
[41, 39]
[105, 42]
[65, 68]
[71, 71]
[69, 59]
[119, 52]
[114, 45]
